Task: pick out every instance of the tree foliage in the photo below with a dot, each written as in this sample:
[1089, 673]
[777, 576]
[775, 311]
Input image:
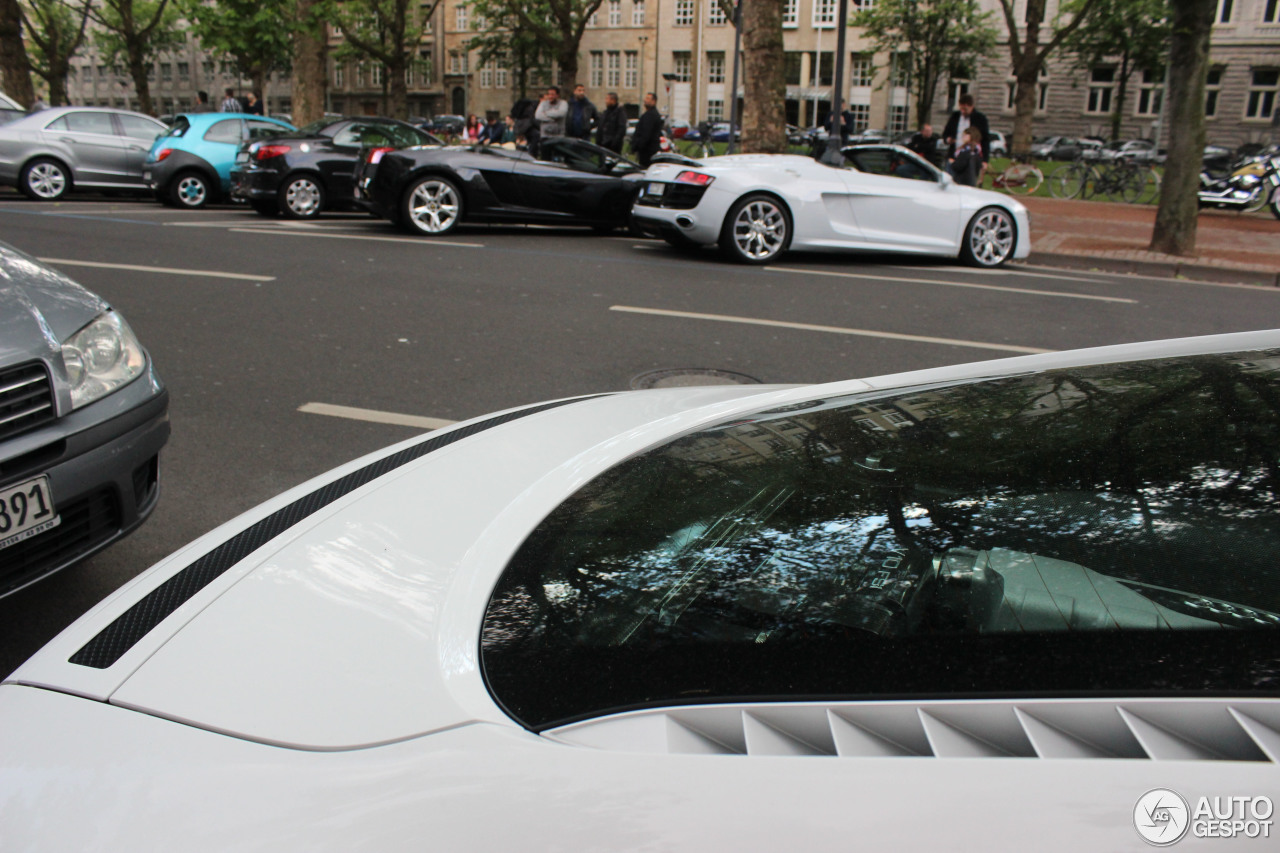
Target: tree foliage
[257, 35]
[135, 31]
[1133, 33]
[556, 25]
[939, 37]
[387, 32]
[507, 41]
[15, 68]
[56, 30]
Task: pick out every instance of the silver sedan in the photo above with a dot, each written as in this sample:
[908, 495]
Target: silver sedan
[48, 153]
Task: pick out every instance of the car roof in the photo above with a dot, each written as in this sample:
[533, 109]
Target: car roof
[200, 119]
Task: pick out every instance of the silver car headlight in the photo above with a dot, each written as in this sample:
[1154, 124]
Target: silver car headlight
[100, 358]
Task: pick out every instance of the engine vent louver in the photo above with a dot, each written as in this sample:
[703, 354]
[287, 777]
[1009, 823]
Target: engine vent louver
[1152, 729]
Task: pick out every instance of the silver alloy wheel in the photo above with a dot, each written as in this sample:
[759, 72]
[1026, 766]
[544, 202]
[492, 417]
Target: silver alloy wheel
[760, 229]
[47, 180]
[991, 238]
[192, 191]
[434, 207]
[303, 197]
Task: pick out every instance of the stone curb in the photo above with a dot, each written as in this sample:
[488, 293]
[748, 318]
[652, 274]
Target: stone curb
[1158, 269]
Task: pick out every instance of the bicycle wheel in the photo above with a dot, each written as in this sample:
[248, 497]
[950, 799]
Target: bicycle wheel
[1068, 181]
[1150, 187]
[1022, 178]
[1126, 186]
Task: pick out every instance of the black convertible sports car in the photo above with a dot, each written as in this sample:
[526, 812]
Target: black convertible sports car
[430, 191]
[312, 170]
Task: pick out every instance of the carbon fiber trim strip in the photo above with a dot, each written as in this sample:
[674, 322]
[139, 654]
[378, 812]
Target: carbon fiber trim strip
[136, 622]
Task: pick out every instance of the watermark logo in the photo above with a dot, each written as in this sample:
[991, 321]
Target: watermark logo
[1162, 817]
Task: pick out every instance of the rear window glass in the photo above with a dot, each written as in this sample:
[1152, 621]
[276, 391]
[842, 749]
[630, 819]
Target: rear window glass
[942, 540]
[227, 130]
[85, 122]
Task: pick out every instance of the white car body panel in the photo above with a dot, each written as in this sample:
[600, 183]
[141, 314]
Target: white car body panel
[342, 658]
[835, 209]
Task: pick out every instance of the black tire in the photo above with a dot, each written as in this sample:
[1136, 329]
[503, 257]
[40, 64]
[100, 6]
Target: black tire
[990, 238]
[190, 190]
[45, 179]
[265, 208]
[301, 197]
[432, 207]
[757, 230]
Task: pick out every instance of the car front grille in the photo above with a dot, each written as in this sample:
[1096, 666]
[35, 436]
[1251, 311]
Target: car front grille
[86, 523]
[675, 197]
[26, 399]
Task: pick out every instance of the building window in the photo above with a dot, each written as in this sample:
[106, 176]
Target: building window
[184, 71]
[1101, 82]
[500, 75]
[682, 61]
[1271, 12]
[715, 110]
[408, 74]
[594, 20]
[792, 63]
[861, 114]
[208, 69]
[637, 13]
[715, 67]
[460, 16]
[339, 75]
[597, 69]
[481, 23]
[631, 75]
[791, 14]
[861, 70]
[359, 75]
[613, 69]
[1149, 94]
[684, 13]
[824, 13]
[715, 14]
[898, 118]
[1212, 86]
[486, 75]
[1011, 95]
[425, 67]
[455, 62]
[864, 4]
[901, 76]
[166, 71]
[1224, 11]
[615, 13]
[1262, 94]
[375, 75]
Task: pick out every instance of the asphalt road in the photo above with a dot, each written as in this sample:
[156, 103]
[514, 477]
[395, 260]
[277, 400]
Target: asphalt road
[284, 320]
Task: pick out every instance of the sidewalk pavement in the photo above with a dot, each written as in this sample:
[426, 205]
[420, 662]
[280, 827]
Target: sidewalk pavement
[1113, 237]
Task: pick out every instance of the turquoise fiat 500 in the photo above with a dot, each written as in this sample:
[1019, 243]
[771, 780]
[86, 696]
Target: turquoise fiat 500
[190, 166]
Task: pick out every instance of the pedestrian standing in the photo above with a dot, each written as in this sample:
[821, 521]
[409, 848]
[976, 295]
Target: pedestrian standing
[964, 117]
[230, 104]
[612, 131]
[202, 103]
[648, 136]
[966, 166]
[583, 115]
[254, 105]
[925, 143]
[551, 114]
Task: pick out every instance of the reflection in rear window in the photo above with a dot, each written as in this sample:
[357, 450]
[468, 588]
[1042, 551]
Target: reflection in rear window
[1115, 501]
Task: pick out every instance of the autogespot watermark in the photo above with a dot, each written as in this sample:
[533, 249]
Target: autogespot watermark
[1163, 817]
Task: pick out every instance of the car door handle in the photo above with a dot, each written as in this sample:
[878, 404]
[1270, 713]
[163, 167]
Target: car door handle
[68, 139]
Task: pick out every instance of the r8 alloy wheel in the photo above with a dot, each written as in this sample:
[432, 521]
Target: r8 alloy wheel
[190, 190]
[990, 239]
[432, 206]
[757, 230]
[45, 180]
[301, 197]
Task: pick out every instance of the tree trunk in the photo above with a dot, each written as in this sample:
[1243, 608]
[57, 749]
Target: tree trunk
[568, 61]
[258, 80]
[1122, 93]
[1175, 228]
[1024, 105]
[15, 68]
[399, 107]
[138, 71]
[764, 119]
[310, 64]
[58, 82]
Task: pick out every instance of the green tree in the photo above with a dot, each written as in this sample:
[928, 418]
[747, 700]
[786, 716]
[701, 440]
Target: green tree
[1133, 32]
[764, 117]
[257, 35]
[56, 30]
[509, 42]
[15, 67]
[557, 25]
[135, 31]
[1029, 55]
[938, 36]
[1191, 22]
[388, 32]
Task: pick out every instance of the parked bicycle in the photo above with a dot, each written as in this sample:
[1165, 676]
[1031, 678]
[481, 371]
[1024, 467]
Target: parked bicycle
[1071, 180]
[1021, 178]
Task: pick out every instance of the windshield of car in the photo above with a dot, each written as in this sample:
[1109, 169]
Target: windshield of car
[890, 162]
[1127, 501]
[317, 128]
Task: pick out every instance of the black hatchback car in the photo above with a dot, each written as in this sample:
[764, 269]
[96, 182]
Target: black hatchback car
[312, 170]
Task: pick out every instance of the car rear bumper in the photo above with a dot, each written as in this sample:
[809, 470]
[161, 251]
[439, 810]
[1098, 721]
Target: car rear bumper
[254, 184]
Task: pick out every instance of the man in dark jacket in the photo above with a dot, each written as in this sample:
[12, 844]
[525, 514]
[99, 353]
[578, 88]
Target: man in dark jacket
[925, 143]
[648, 136]
[583, 115]
[965, 117]
[612, 131]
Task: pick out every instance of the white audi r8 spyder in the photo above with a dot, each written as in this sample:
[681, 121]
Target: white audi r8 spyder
[1025, 604]
[884, 199]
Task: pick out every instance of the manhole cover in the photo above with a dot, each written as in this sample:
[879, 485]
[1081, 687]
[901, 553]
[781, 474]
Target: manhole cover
[687, 377]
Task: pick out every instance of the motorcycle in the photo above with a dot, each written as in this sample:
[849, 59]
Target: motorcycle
[1251, 186]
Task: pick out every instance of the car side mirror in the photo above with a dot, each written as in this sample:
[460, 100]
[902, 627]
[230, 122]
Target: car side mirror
[945, 180]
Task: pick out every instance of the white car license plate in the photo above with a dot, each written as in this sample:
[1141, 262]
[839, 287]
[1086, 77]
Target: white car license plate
[242, 157]
[25, 511]
[146, 176]
[655, 188]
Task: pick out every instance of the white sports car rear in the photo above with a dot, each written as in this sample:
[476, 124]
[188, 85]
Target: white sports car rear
[885, 199]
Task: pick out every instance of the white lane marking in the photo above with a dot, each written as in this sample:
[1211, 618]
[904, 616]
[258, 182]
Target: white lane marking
[424, 241]
[809, 327]
[967, 284]
[374, 416]
[63, 262]
[220, 223]
[1013, 270]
